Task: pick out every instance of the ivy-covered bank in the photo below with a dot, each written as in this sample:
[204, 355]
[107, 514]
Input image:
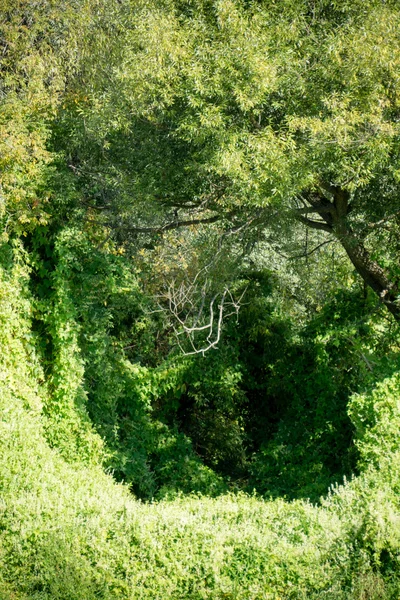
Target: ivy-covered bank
[69, 531]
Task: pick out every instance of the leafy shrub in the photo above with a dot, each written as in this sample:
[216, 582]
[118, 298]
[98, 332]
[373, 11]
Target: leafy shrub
[311, 379]
[376, 418]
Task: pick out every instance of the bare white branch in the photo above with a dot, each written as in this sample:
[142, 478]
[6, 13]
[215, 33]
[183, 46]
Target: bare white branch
[194, 312]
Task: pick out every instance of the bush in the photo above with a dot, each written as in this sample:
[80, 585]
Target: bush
[376, 418]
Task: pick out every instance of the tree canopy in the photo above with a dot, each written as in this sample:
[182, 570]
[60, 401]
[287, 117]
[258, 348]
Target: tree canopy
[246, 114]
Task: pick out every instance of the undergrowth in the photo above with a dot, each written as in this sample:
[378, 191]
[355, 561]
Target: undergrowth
[69, 532]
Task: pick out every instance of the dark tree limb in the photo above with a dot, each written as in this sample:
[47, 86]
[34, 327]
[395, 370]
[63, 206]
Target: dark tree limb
[309, 252]
[334, 214]
[320, 209]
[167, 226]
[319, 225]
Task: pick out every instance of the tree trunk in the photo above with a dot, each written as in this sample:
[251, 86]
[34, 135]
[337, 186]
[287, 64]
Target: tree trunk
[334, 220]
[373, 274]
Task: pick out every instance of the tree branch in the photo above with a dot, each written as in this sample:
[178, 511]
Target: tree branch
[167, 226]
[315, 224]
[383, 221]
[314, 209]
[305, 254]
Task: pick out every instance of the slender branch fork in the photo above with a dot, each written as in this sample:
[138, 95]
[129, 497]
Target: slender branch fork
[194, 311]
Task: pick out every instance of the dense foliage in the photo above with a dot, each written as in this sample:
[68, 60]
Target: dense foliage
[199, 299]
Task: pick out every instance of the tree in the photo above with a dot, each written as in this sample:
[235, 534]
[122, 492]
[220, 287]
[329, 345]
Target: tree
[249, 115]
